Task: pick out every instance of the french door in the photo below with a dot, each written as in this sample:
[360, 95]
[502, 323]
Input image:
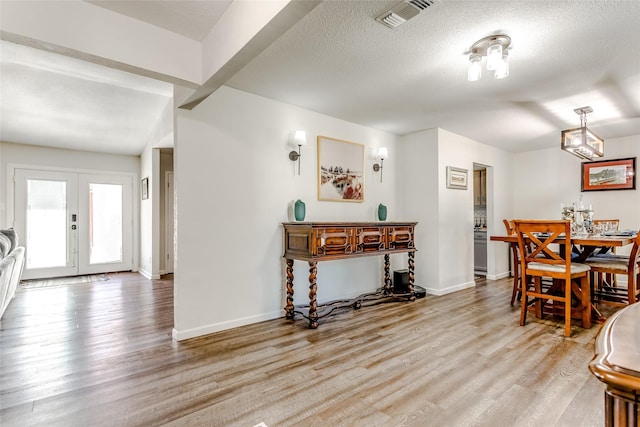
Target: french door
[73, 223]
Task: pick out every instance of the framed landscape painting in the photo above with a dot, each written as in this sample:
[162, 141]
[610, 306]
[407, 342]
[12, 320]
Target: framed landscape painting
[601, 175]
[340, 170]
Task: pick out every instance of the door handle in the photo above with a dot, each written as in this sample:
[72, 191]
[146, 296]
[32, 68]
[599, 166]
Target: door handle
[72, 245]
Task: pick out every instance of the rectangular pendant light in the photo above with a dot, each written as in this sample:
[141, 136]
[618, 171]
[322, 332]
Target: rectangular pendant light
[582, 142]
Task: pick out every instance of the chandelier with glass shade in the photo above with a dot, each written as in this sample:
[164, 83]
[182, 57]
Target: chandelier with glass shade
[496, 49]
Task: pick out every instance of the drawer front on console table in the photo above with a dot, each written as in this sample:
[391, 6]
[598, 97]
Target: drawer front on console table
[371, 239]
[313, 241]
[400, 237]
[297, 241]
[332, 241]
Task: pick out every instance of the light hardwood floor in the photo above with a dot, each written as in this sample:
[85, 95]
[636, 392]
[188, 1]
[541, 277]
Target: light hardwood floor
[101, 354]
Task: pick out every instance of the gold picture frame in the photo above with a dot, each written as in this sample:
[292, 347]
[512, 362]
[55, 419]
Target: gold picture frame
[340, 170]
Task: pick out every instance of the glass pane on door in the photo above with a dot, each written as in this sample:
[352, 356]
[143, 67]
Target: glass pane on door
[105, 223]
[46, 238]
[73, 223]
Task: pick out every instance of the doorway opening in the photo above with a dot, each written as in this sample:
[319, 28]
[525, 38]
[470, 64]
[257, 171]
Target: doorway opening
[479, 219]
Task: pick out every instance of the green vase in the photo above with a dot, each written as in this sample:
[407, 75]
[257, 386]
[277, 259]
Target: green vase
[382, 212]
[299, 210]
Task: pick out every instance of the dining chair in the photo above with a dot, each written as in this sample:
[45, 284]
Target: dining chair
[536, 241]
[612, 224]
[515, 253]
[607, 225]
[603, 265]
[515, 260]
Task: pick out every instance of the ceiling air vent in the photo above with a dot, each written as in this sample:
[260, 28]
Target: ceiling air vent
[421, 4]
[402, 12]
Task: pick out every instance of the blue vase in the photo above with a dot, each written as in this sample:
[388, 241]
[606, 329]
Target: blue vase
[382, 212]
[299, 210]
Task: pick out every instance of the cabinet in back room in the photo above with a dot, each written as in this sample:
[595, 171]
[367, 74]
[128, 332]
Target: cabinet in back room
[480, 187]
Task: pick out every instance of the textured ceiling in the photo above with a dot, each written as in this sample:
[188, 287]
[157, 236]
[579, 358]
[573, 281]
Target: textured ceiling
[57, 101]
[565, 54]
[339, 61]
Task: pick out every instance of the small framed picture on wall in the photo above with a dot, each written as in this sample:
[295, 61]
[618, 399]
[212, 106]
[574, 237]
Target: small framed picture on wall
[456, 178]
[145, 188]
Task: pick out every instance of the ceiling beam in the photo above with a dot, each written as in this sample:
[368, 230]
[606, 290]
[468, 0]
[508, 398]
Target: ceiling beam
[293, 12]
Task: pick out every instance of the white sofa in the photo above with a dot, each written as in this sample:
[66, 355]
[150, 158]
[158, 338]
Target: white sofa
[11, 265]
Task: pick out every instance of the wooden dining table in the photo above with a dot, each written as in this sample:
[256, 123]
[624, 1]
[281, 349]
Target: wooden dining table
[617, 364]
[584, 245]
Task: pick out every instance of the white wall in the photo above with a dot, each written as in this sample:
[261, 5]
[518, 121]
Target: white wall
[456, 150]
[419, 198]
[161, 135]
[148, 267]
[70, 159]
[235, 185]
[444, 236]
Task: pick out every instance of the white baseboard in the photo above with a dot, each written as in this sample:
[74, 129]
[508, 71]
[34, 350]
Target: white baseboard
[145, 273]
[148, 275]
[498, 276]
[217, 327]
[234, 323]
[450, 289]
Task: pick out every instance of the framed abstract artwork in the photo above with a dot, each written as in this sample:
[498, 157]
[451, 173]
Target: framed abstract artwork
[340, 170]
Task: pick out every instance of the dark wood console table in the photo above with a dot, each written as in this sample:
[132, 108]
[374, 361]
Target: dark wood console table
[326, 241]
[617, 364]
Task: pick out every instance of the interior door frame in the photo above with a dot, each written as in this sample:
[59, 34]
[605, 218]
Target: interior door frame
[135, 196]
[169, 214]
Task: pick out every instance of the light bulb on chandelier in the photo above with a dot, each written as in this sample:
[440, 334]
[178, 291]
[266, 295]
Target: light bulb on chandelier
[495, 49]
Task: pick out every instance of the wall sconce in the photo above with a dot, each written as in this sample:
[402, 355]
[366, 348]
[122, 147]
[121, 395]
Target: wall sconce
[299, 139]
[495, 48]
[581, 141]
[382, 154]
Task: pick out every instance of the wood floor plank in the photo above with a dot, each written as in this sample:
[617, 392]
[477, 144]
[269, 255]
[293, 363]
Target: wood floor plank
[101, 354]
